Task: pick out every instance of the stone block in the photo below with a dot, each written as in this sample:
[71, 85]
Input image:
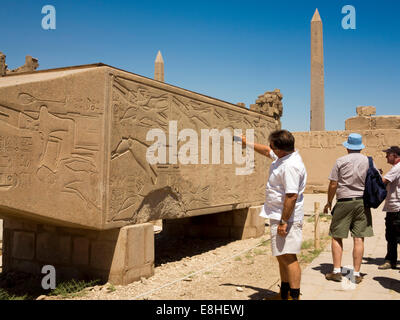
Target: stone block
[366, 111]
[241, 233]
[19, 224]
[101, 255]
[31, 267]
[241, 218]
[80, 251]
[134, 254]
[23, 245]
[1, 230]
[135, 245]
[256, 220]
[260, 230]
[135, 274]
[387, 122]
[53, 248]
[358, 123]
[113, 132]
[148, 244]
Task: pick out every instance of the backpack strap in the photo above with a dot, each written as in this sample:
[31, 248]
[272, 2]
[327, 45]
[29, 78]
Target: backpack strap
[371, 164]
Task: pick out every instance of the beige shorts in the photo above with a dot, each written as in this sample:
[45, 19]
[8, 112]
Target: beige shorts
[291, 243]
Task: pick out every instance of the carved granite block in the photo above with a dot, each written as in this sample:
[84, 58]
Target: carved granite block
[74, 145]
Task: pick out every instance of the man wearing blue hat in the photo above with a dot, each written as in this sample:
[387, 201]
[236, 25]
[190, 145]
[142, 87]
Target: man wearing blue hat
[347, 181]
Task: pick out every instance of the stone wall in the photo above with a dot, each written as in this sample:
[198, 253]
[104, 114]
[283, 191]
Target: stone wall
[270, 104]
[367, 120]
[320, 149]
[119, 256]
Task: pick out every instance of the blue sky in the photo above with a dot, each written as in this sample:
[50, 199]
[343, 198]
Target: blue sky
[231, 50]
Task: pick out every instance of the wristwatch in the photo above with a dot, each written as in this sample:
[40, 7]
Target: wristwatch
[281, 222]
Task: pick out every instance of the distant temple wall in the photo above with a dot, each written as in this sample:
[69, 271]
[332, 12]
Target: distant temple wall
[320, 149]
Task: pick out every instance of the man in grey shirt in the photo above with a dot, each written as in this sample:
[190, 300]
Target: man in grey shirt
[347, 181]
[392, 207]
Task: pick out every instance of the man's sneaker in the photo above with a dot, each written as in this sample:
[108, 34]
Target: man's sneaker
[387, 265]
[334, 277]
[358, 279]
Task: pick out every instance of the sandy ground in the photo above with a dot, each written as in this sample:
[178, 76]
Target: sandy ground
[213, 269]
[200, 269]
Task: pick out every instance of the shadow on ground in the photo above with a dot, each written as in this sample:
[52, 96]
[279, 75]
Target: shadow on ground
[389, 283]
[259, 295]
[169, 249]
[324, 268]
[375, 261]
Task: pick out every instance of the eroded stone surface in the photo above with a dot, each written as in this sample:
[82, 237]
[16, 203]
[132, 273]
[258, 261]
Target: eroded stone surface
[366, 110]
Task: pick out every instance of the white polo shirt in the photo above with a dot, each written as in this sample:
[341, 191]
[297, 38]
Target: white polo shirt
[286, 175]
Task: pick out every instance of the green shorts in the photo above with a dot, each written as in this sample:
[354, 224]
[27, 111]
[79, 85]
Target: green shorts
[351, 215]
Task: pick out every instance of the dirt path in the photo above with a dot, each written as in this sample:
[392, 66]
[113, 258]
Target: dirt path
[211, 269]
[187, 269]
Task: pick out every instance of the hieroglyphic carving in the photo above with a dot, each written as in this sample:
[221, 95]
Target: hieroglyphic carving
[139, 107]
[198, 186]
[60, 149]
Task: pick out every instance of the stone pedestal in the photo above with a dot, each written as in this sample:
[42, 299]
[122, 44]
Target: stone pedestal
[236, 224]
[119, 256]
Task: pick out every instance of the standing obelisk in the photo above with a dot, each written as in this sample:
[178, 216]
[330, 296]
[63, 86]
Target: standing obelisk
[159, 68]
[317, 115]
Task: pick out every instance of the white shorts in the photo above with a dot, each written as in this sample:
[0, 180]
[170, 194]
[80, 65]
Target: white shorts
[291, 243]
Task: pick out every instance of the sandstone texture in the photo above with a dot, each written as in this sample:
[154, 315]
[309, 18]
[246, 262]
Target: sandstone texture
[73, 145]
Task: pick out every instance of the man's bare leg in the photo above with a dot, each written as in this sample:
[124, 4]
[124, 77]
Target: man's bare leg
[290, 263]
[337, 251]
[358, 252]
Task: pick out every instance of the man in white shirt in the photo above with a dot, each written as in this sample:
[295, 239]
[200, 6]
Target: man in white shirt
[392, 207]
[284, 207]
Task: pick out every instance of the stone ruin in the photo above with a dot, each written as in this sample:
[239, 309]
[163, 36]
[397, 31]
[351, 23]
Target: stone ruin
[31, 64]
[367, 119]
[270, 104]
[77, 189]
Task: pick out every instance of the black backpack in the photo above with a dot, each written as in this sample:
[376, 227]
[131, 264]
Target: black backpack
[375, 190]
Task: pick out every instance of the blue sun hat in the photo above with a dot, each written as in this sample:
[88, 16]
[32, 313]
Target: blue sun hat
[354, 142]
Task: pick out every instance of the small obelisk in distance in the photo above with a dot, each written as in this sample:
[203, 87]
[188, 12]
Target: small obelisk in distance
[317, 114]
[159, 68]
